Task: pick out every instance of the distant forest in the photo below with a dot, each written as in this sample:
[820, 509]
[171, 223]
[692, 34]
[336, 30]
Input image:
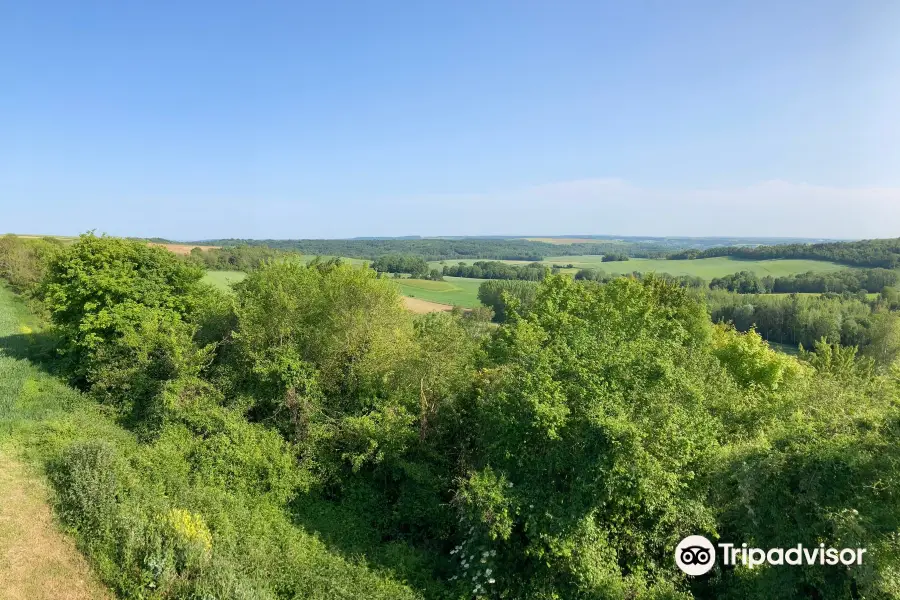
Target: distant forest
[450, 249]
[883, 254]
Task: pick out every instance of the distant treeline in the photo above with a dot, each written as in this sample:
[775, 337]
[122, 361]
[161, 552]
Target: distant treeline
[497, 294]
[234, 258]
[599, 275]
[450, 249]
[867, 253]
[401, 263]
[797, 320]
[498, 270]
[788, 319]
[745, 282]
[849, 280]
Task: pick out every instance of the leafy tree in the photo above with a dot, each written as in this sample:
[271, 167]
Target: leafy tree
[345, 323]
[591, 442]
[883, 254]
[23, 261]
[401, 263]
[119, 307]
[499, 296]
[591, 275]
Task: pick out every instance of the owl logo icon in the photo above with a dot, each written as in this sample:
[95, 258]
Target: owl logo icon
[695, 555]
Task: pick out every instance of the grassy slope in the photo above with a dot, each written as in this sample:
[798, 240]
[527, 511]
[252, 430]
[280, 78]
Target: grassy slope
[457, 291]
[223, 279]
[36, 559]
[40, 415]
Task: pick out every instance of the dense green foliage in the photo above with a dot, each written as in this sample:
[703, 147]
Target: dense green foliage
[615, 257]
[242, 443]
[401, 263]
[599, 275]
[502, 296]
[591, 275]
[23, 260]
[805, 320]
[848, 280]
[501, 248]
[459, 248]
[497, 270]
[234, 258]
[867, 253]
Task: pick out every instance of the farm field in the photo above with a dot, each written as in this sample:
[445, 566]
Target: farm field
[432, 295]
[182, 249]
[223, 279]
[707, 268]
[456, 291]
[419, 306]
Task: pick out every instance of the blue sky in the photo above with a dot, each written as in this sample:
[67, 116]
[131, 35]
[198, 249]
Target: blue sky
[194, 120]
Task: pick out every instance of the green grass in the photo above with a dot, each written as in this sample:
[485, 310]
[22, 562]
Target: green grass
[458, 291]
[223, 279]
[461, 291]
[707, 268]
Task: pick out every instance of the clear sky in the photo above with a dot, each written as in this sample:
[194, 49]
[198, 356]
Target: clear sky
[193, 120]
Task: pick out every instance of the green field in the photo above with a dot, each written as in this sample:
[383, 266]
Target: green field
[223, 279]
[461, 291]
[707, 268]
[458, 291]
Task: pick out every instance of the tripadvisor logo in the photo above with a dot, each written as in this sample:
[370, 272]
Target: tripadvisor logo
[696, 555]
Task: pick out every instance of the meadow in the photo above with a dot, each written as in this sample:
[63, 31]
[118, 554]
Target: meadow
[456, 291]
[707, 268]
[461, 291]
[453, 291]
[223, 279]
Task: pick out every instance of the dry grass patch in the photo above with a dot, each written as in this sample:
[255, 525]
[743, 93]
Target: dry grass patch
[37, 561]
[417, 305]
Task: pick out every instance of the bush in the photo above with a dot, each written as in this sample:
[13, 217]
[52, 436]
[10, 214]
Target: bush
[23, 261]
[87, 479]
[504, 296]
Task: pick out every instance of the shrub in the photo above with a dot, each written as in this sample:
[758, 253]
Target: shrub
[87, 478]
[502, 296]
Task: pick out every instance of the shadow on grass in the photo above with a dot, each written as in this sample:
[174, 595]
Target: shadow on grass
[39, 348]
[346, 530]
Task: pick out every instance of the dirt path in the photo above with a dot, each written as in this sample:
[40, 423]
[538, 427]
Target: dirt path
[37, 561]
[417, 305]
